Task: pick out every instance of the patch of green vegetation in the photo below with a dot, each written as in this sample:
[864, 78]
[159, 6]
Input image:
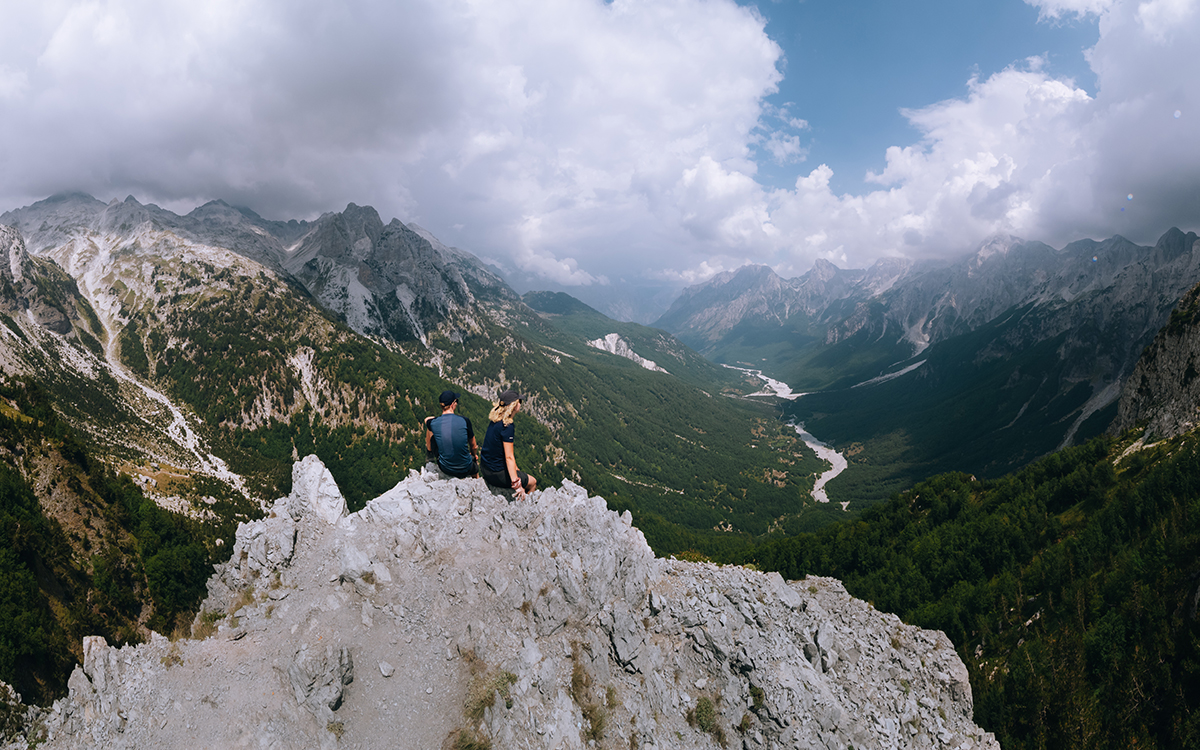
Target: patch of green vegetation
[1067, 588]
[133, 351]
[51, 595]
[11, 325]
[466, 739]
[482, 692]
[703, 716]
[972, 406]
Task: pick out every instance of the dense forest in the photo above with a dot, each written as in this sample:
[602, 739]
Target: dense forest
[110, 562]
[955, 412]
[1069, 589]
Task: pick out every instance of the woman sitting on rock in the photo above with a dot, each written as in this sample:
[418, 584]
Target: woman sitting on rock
[498, 466]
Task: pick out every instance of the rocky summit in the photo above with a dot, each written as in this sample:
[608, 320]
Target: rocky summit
[446, 614]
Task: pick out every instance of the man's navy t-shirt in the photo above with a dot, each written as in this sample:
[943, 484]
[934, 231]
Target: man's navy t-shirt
[452, 440]
[491, 454]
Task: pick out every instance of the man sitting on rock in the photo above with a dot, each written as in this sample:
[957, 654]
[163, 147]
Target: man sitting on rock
[451, 438]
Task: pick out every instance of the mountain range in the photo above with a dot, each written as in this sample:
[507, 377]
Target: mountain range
[163, 375]
[981, 364]
[251, 328]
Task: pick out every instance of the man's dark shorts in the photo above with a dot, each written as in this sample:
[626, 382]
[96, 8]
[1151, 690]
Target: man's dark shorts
[469, 473]
[500, 478]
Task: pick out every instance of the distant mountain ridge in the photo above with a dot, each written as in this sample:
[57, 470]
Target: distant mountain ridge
[384, 280]
[1023, 348]
[927, 302]
[705, 313]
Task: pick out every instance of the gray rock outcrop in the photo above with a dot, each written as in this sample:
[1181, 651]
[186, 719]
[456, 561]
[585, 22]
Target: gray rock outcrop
[1163, 393]
[36, 287]
[614, 344]
[444, 609]
[387, 280]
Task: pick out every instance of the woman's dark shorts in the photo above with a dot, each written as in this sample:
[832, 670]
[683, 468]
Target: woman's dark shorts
[500, 478]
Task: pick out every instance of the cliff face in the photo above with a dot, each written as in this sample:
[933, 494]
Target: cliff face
[1163, 392]
[38, 289]
[444, 608]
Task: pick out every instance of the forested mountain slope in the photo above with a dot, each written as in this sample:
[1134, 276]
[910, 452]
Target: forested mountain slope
[1070, 587]
[159, 384]
[83, 551]
[273, 362]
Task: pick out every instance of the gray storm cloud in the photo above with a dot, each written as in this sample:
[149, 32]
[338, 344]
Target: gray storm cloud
[574, 140]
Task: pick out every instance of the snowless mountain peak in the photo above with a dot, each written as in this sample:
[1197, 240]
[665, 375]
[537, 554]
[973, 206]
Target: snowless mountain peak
[996, 245]
[823, 269]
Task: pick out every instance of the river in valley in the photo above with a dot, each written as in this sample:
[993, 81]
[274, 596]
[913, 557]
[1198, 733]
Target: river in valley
[837, 462]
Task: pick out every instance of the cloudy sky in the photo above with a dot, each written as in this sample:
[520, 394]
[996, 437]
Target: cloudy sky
[591, 145]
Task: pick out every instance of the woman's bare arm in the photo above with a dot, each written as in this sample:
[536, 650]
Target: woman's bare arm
[511, 461]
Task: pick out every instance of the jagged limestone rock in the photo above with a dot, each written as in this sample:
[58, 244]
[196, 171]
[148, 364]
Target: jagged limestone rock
[319, 679]
[537, 623]
[614, 344]
[1163, 393]
[313, 489]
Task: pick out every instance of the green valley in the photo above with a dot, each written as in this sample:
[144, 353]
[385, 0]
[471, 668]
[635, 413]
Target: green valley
[1068, 587]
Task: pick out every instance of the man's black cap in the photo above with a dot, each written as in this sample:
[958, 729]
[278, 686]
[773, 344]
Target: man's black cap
[508, 397]
[447, 398]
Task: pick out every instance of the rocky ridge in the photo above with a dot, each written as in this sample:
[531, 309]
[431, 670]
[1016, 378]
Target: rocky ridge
[444, 609]
[384, 280]
[389, 280]
[33, 288]
[1163, 393]
[923, 303]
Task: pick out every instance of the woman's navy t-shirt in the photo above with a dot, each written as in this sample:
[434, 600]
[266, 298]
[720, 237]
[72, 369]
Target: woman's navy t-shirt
[491, 453]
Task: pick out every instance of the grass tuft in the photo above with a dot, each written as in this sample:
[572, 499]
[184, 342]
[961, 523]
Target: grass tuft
[594, 713]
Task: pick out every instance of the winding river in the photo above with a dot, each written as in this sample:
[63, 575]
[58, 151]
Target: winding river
[837, 462]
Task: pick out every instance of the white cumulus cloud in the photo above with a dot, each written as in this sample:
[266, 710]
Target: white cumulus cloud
[1028, 154]
[580, 141]
[577, 117]
[1056, 9]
